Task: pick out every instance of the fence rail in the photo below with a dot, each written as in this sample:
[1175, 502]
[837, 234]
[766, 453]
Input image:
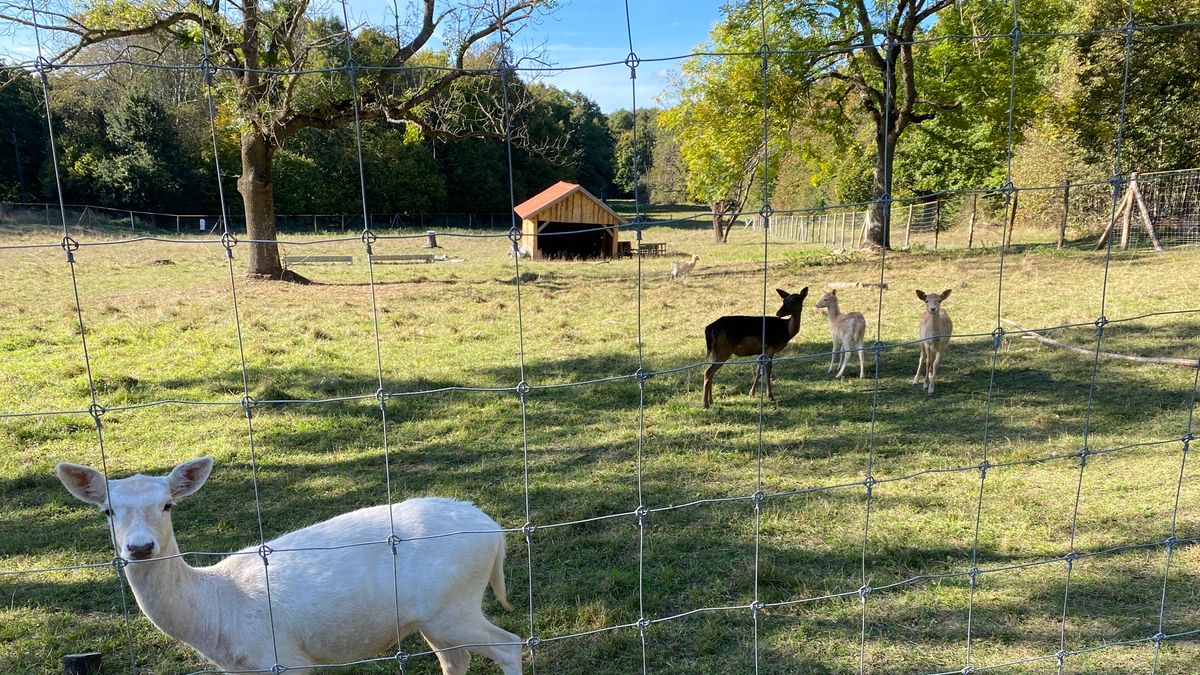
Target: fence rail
[90, 215]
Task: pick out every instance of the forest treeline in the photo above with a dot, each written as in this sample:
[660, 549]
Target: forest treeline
[135, 137]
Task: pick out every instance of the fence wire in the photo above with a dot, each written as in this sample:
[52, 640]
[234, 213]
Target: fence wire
[1173, 200]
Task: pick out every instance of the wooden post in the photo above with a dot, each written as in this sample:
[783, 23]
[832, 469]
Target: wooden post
[81, 664]
[177, 230]
[131, 221]
[908, 225]
[937, 222]
[1012, 220]
[314, 223]
[971, 222]
[432, 236]
[1124, 204]
[1062, 224]
[343, 222]
[1137, 195]
[1127, 216]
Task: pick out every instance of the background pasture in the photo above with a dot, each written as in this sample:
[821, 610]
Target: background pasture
[162, 332]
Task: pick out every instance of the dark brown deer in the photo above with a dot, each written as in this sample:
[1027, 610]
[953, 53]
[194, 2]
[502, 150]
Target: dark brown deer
[743, 336]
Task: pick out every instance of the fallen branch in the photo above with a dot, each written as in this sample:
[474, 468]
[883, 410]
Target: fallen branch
[855, 284]
[1156, 360]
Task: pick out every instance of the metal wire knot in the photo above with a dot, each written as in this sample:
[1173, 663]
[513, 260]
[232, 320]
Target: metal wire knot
[967, 670]
[68, 244]
[759, 497]
[1158, 638]
[983, 469]
[264, 552]
[1083, 454]
[228, 241]
[1100, 323]
[766, 211]
[642, 624]
[514, 234]
[633, 61]
[248, 404]
[401, 658]
[532, 642]
[997, 338]
[527, 529]
[278, 668]
[864, 591]
[1061, 655]
[641, 512]
[120, 563]
[381, 395]
[1070, 558]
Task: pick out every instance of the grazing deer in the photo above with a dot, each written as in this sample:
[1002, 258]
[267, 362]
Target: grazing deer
[847, 330]
[934, 332]
[341, 590]
[742, 336]
[681, 268]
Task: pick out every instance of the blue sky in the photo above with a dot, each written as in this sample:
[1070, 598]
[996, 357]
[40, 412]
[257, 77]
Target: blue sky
[580, 32]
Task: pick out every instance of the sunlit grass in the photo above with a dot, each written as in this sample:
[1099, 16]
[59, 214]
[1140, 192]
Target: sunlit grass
[159, 332]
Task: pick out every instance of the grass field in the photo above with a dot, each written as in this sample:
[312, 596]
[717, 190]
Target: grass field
[166, 332]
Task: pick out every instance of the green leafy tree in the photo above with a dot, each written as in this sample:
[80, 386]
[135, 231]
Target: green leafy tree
[269, 49]
[22, 141]
[633, 150]
[1163, 101]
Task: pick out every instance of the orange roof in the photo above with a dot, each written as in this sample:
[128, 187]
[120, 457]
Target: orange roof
[555, 194]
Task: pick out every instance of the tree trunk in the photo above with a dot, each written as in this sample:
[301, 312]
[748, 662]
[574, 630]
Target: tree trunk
[259, 198]
[879, 229]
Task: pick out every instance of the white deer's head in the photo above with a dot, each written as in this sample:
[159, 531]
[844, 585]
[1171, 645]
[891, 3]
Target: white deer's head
[933, 301]
[830, 297]
[139, 507]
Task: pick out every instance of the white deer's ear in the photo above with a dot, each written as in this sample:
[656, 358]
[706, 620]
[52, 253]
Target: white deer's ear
[84, 482]
[186, 478]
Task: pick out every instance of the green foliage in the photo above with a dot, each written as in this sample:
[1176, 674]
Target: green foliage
[22, 142]
[1163, 98]
[633, 157]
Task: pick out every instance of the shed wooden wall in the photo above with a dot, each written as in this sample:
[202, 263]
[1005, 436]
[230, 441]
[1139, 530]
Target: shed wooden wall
[577, 208]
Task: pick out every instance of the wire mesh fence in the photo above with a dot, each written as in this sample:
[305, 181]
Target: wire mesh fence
[864, 584]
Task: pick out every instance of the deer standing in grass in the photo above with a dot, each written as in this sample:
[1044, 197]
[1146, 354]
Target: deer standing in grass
[934, 331]
[682, 268]
[848, 330]
[337, 588]
[743, 336]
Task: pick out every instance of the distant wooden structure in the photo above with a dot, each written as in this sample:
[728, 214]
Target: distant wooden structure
[567, 221]
[1124, 211]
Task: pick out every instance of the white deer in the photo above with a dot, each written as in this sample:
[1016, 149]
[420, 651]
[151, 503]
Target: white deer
[934, 330]
[681, 268]
[333, 597]
[848, 330]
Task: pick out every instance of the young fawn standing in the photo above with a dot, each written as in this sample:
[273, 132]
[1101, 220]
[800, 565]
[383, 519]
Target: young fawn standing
[742, 336]
[934, 332]
[847, 330]
[681, 268]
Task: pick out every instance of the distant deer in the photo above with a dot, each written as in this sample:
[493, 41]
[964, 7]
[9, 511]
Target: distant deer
[847, 330]
[934, 332]
[742, 336]
[681, 268]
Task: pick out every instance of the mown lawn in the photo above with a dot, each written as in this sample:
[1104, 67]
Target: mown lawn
[166, 332]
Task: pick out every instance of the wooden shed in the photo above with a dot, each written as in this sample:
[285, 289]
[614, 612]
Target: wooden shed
[567, 221]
